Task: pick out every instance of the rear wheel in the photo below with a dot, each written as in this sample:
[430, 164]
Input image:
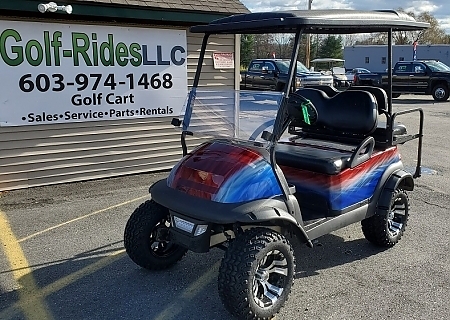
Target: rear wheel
[256, 274]
[386, 228]
[146, 238]
[440, 92]
[396, 95]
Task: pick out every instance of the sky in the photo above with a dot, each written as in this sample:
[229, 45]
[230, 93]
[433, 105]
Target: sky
[440, 9]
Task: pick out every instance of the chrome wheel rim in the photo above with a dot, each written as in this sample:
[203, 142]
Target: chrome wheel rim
[439, 93]
[270, 279]
[396, 217]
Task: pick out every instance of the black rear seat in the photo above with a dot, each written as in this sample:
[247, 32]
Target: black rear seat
[350, 115]
[379, 94]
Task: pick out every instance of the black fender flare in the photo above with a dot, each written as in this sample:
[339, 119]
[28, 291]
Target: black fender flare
[399, 179]
[281, 218]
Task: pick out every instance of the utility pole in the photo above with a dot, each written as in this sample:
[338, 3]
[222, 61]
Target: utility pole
[308, 42]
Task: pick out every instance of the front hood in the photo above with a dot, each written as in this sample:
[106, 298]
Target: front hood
[315, 78]
[314, 75]
[224, 172]
[441, 74]
[340, 76]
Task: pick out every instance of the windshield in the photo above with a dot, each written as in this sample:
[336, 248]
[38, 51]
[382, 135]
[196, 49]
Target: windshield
[240, 114]
[437, 66]
[283, 65]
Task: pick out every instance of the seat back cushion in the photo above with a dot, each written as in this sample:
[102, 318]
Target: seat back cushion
[379, 94]
[351, 112]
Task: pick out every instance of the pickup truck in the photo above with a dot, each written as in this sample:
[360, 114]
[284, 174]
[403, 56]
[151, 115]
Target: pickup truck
[271, 74]
[412, 77]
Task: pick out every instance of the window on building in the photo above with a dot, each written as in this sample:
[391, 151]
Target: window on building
[367, 60]
[383, 60]
[401, 59]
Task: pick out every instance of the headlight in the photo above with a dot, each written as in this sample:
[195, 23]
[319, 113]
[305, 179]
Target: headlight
[201, 229]
[182, 224]
[189, 227]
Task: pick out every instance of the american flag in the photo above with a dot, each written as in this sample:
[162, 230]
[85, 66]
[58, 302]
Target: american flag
[415, 50]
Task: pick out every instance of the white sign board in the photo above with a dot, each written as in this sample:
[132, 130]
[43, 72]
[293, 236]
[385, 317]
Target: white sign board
[57, 73]
[223, 60]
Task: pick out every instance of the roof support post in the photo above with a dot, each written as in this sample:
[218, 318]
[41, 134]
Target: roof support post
[293, 66]
[390, 65]
[389, 124]
[280, 121]
[200, 60]
[192, 93]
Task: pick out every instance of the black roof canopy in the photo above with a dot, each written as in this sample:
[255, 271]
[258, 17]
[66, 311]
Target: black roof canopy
[335, 21]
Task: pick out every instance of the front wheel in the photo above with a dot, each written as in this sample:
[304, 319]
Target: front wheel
[440, 92]
[146, 238]
[386, 228]
[396, 95]
[256, 274]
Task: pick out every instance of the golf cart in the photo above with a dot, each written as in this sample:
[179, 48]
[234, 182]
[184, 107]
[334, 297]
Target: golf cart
[323, 160]
[334, 67]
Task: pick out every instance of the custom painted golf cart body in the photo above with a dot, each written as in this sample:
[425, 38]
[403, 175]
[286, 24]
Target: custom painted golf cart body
[246, 182]
[304, 162]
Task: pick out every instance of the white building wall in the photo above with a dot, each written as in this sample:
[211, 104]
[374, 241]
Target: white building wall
[374, 57]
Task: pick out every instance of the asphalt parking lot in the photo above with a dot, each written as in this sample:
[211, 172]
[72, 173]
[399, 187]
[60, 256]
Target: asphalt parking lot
[62, 253]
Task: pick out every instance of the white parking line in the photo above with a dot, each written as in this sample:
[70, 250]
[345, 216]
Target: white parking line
[82, 217]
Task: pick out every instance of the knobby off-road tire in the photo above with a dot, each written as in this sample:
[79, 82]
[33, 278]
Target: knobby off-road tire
[146, 238]
[385, 229]
[256, 274]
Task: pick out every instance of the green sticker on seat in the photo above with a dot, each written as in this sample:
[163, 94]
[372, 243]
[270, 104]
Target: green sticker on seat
[305, 112]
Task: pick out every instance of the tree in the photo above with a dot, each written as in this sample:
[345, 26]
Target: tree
[264, 45]
[331, 47]
[247, 44]
[434, 34]
[284, 42]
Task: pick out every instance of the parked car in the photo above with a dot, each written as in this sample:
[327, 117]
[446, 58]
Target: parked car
[412, 77]
[271, 74]
[350, 74]
[357, 71]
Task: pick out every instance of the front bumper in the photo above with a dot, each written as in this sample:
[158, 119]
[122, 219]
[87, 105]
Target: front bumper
[210, 211]
[316, 82]
[189, 239]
